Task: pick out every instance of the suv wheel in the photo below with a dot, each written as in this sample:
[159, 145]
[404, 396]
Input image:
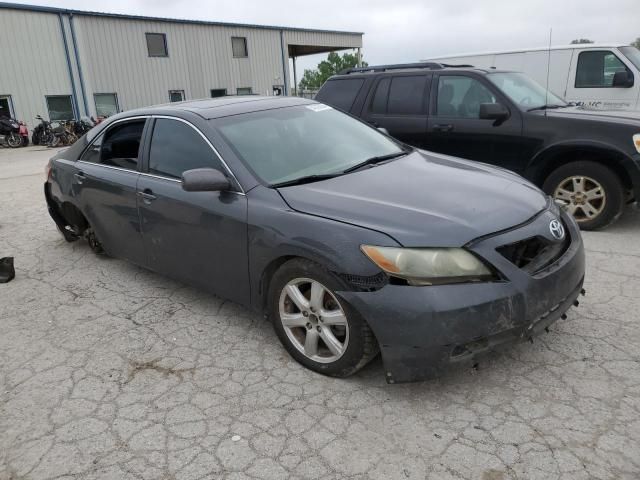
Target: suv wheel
[317, 329]
[594, 194]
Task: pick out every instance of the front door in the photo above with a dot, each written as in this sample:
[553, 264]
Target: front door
[197, 237]
[591, 81]
[105, 180]
[456, 129]
[399, 104]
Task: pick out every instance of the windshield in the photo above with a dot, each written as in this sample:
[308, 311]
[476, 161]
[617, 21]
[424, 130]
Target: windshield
[285, 144]
[633, 54]
[525, 91]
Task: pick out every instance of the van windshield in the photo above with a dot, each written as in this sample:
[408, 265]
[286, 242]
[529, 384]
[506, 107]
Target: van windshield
[633, 54]
[524, 91]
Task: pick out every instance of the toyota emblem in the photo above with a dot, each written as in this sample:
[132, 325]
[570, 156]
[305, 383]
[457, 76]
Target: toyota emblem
[556, 229]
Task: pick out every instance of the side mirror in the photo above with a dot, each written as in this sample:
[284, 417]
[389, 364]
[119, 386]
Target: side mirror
[204, 180]
[493, 111]
[622, 79]
[383, 130]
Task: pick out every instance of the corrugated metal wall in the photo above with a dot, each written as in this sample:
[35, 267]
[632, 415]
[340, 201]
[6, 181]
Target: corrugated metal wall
[32, 61]
[113, 58]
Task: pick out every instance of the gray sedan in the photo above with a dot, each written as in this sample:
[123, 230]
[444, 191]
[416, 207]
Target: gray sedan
[350, 241]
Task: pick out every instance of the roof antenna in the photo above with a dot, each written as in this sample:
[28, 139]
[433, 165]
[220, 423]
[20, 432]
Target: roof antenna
[546, 90]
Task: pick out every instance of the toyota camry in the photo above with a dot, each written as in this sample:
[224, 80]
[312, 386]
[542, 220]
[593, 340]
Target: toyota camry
[351, 242]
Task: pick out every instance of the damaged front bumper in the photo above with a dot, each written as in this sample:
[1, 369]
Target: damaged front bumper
[422, 331]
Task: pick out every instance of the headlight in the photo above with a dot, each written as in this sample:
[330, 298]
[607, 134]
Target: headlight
[636, 141]
[429, 266]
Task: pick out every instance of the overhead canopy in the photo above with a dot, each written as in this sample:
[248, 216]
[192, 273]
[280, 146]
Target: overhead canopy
[302, 50]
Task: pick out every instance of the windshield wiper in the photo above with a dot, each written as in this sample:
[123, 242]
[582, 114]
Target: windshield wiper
[305, 179]
[374, 160]
[546, 107]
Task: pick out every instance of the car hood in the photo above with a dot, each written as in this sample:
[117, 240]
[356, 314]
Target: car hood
[625, 117]
[423, 199]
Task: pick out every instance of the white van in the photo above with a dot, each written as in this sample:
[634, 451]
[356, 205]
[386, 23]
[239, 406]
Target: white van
[601, 76]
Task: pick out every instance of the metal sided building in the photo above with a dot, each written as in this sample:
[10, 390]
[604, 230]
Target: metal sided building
[65, 64]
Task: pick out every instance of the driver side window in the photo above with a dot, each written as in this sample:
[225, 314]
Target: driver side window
[460, 96]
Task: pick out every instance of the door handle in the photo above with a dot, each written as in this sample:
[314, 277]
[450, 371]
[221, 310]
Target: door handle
[80, 177]
[147, 196]
[441, 127]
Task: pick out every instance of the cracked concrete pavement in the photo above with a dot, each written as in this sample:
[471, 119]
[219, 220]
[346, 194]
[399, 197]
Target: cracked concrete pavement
[108, 371]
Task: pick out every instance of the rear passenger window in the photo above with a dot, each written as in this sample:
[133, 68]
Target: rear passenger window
[596, 69]
[177, 147]
[406, 95]
[340, 93]
[118, 147]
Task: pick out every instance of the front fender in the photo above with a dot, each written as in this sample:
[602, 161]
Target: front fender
[541, 163]
[275, 231]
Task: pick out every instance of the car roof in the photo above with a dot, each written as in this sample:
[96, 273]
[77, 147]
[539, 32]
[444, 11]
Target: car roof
[210, 108]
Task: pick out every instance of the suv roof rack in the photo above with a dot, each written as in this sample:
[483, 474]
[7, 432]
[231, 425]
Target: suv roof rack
[401, 66]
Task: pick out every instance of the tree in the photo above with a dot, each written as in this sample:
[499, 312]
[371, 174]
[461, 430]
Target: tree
[636, 43]
[581, 40]
[313, 79]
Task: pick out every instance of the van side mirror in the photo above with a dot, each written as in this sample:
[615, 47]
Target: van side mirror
[204, 180]
[493, 111]
[622, 79]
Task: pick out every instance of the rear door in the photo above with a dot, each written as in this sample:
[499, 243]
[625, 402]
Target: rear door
[456, 129]
[104, 182]
[591, 80]
[398, 103]
[196, 237]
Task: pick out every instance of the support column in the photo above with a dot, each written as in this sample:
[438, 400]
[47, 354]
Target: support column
[359, 58]
[295, 78]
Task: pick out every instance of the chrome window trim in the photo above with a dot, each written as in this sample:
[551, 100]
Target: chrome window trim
[229, 171]
[162, 177]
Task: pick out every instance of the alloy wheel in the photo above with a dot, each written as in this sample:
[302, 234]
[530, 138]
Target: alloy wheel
[586, 198]
[313, 320]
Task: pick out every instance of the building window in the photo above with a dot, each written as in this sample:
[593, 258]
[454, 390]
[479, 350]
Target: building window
[106, 104]
[218, 92]
[157, 44]
[60, 107]
[176, 95]
[6, 108]
[596, 69]
[239, 47]
[244, 91]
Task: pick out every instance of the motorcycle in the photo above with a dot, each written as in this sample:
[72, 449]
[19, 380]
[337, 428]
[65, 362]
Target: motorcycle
[83, 126]
[42, 134]
[10, 133]
[60, 135]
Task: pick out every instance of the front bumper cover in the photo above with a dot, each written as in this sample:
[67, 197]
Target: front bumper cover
[424, 330]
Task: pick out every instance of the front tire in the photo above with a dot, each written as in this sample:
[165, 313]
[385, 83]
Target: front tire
[14, 140]
[594, 193]
[319, 331]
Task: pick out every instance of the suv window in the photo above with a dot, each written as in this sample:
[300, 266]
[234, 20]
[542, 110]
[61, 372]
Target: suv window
[596, 69]
[340, 93]
[460, 96]
[119, 146]
[176, 147]
[406, 95]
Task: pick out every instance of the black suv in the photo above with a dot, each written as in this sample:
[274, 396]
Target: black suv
[588, 159]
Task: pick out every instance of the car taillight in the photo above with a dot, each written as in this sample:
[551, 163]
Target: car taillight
[48, 170]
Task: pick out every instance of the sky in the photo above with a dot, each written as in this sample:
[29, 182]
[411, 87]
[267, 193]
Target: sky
[409, 30]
